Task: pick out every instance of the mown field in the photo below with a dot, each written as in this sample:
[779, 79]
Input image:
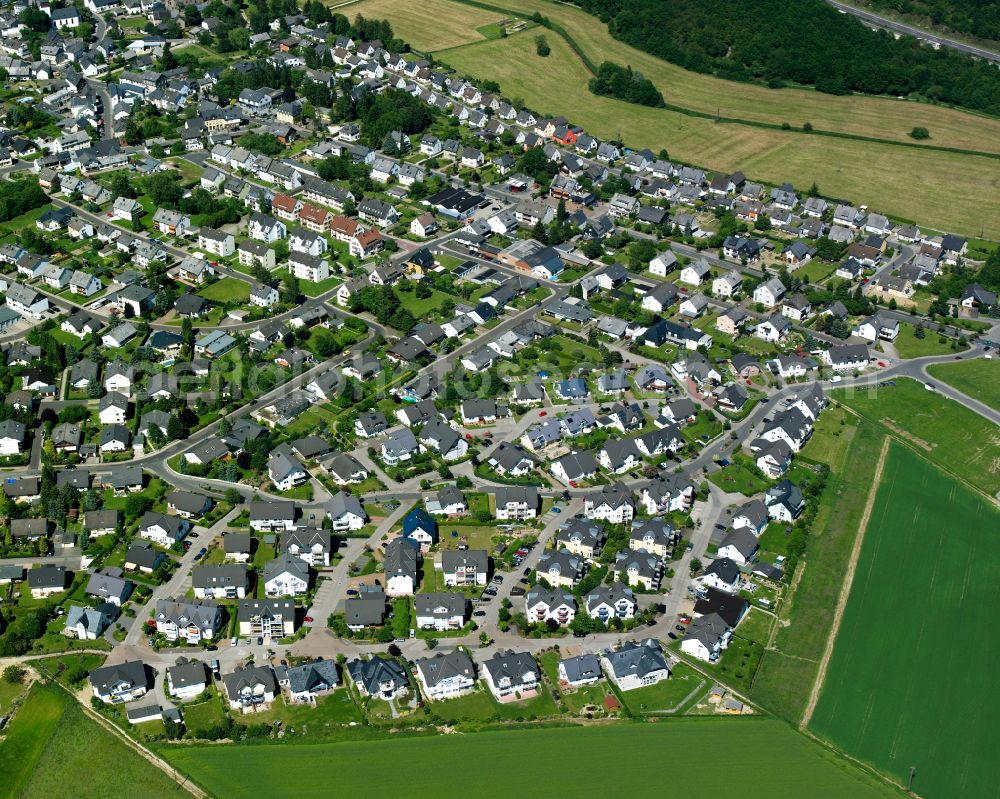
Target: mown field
[429, 25]
[766, 757]
[966, 195]
[884, 176]
[53, 750]
[910, 682]
[949, 435]
[788, 671]
[979, 379]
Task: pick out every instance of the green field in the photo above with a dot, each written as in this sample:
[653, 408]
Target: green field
[909, 346]
[892, 174]
[911, 679]
[948, 434]
[53, 750]
[979, 379]
[788, 670]
[228, 289]
[767, 757]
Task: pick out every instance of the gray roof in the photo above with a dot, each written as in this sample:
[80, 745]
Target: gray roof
[286, 563]
[583, 667]
[317, 675]
[186, 675]
[219, 575]
[513, 665]
[371, 673]
[131, 672]
[446, 666]
[636, 660]
[250, 677]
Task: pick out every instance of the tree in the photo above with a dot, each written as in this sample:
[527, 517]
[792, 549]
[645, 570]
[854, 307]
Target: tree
[542, 46]
[920, 133]
[239, 38]
[175, 429]
[233, 496]
[14, 674]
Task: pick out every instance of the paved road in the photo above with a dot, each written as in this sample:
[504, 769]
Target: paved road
[884, 23]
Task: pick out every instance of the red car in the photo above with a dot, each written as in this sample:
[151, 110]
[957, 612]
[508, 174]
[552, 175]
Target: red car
[308, 619]
[882, 364]
[543, 413]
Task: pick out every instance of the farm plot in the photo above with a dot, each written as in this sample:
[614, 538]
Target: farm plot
[431, 24]
[910, 679]
[771, 760]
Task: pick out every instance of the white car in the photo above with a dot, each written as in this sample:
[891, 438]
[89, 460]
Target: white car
[836, 378]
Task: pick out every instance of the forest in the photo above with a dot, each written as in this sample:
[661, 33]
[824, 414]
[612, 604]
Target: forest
[802, 42]
[975, 17]
[614, 80]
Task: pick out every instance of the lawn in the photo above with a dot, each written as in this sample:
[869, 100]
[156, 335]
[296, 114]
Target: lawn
[53, 750]
[740, 478]
[665, 695]
[979, 379]
[909, 346]
[788, 671]
[228, 289]
[816, 271]
[770, 758]
[204, 715]
[890, 181]
[421, 306]
[756, 626]
[897, 694]
[948, 434]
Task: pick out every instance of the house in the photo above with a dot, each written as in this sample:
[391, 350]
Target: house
[187, 680]
[769, 293]
[482, 411]
[511, 676]
[368, 610]
[446, 676]
[345, 512]
[384, 678]
[419, 526]
[739, 545]
[109, 586]
[579, 670]
[266, 618]
[847, 357]
[975, 297]
[441, 611]
[667, 493]
[162, 529]
[46, 580]
[707, 636]
[517, 502]
[511, 459]
[312, 546]
[307, 681]
[638, 567]
[608, 602]
[188, 504]
[250, 687]
[448, 501]
[655, 536]
[728, 284]
[172, 223]
[695, 273]
[464, 567]
[878, 327]
[774, 328]
[693, 306]
[636, 665]
[267, 229]
[12, 436]
[399, 446]
[784, 501]
[141, 557]
[286, 575]
[581, 537]
[263, 296]
[612, 503]
[723, 574]
[660, 298]
[560, 568]
[220, 581]
[550, 607]
[284, 469]
[401, 560]
[772, 457]
[86, 624]
[120, 683]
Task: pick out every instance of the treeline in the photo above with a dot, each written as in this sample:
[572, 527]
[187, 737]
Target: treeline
[614, 80]
[803, 42]
[981, 19]
[20, 196]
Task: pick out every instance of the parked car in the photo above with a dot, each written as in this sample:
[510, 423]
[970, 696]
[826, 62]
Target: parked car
[479, 613]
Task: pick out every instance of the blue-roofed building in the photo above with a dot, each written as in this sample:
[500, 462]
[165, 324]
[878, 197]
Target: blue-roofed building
[419, 526]
[573, 389]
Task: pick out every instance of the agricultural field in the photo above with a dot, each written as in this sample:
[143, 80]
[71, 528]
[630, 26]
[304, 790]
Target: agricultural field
[979, 379]
[770, 758]
[946, 433]
[430, 25]
[51, 739]
[558, 85]
[788, 670]
[899, 690]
